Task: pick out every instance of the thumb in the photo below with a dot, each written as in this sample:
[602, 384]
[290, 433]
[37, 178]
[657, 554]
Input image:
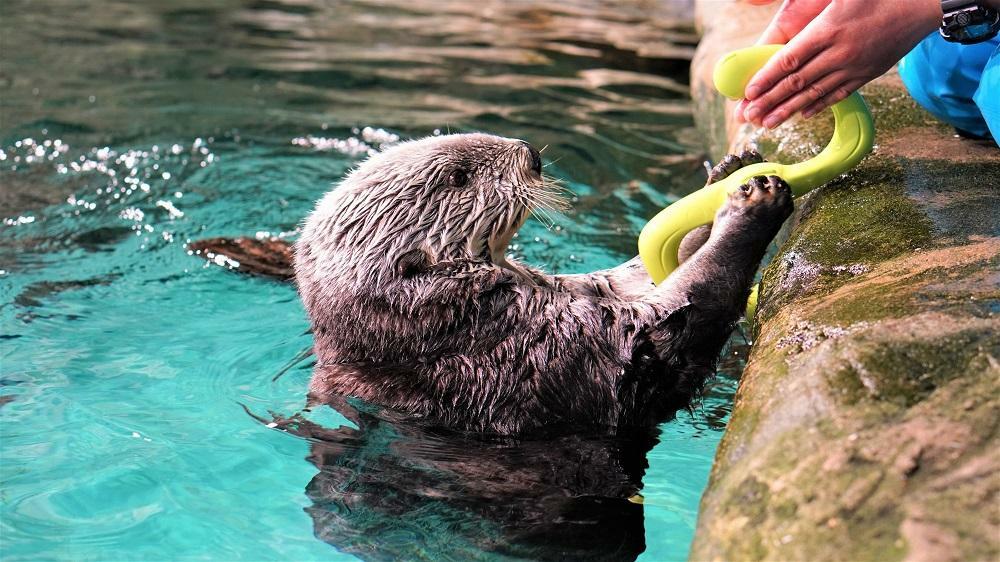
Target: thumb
[774, 34]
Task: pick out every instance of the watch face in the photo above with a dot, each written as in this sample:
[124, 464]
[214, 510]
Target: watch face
[978, 30]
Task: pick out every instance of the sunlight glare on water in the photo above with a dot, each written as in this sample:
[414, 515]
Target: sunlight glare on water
[128, 130]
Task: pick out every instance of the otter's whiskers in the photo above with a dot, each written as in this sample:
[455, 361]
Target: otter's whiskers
[545, 198]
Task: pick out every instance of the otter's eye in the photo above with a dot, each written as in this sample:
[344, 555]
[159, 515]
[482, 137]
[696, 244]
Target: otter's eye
[457, 178]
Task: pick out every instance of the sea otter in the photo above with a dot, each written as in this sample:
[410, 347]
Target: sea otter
[505, 411]
[416, 308]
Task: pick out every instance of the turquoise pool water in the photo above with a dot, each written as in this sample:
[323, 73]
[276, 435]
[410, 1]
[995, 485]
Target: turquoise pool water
[127, 130]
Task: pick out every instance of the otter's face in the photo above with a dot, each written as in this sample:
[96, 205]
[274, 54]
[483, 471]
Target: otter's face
[486, 186]
[452, 197]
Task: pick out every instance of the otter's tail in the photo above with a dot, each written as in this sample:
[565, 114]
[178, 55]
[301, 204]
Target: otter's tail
[265, 258]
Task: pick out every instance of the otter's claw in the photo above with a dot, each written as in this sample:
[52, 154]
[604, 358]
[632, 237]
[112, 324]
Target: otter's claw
[767, 198]
[733, 162]
[756, 210]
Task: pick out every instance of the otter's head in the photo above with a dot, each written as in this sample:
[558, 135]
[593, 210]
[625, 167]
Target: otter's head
[438, 199]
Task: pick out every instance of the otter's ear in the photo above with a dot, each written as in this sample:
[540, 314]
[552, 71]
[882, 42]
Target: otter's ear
[413, 263]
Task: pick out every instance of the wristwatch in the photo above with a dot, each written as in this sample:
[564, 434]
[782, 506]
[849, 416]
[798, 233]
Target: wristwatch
[968, 22]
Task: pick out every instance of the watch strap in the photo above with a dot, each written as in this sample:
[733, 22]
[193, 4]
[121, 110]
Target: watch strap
[954, 5]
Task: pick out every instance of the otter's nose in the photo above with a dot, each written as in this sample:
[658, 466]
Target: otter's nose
[536, 158]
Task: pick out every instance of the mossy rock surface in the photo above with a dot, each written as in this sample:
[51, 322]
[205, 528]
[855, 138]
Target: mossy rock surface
[866, 422]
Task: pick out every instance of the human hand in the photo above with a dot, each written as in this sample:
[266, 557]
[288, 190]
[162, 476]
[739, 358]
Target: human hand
[790, 19]
[834, 47]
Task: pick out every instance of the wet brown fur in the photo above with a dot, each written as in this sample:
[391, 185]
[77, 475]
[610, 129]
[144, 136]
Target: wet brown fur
[414, 306]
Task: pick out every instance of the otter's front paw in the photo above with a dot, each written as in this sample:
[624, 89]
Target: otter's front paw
[766, 200]
[725, 168]
[733, 162]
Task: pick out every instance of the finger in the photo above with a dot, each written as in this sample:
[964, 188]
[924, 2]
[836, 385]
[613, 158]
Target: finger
[786, 62]
[739, 109]
[794, 83]
[838, 94]
[812, 93]
[776, 32]
[773, 35]
[760, 2]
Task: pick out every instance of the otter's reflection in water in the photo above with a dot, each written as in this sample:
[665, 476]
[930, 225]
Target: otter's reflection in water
[393, 490]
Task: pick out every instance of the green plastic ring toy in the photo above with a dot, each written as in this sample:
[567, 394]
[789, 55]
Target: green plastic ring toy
[853, 135]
